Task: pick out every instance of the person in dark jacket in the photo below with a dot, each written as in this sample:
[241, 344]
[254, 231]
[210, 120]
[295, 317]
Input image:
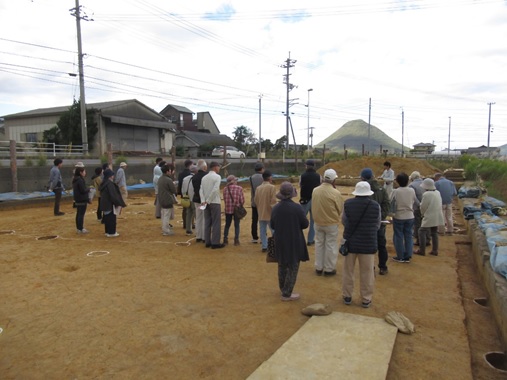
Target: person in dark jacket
[184, 173]
[308, 181]
[81, 200]
[361, 219]
[288, 220]
[202, 167]
[380, 196]
[111, 202]
[167, 197]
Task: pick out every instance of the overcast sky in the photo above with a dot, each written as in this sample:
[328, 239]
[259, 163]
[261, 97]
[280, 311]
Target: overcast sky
[430, 59]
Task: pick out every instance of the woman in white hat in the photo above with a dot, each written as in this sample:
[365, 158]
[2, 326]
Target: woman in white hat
[432, 217]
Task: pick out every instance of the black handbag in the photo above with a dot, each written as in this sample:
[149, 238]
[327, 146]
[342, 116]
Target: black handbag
[270, 256]
[239, 211]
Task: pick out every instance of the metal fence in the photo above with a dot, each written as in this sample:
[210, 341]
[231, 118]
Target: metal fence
[31, 149]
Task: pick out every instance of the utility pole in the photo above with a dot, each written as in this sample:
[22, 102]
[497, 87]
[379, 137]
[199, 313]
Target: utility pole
[76, 12]
[308, 131]
[260, 123]
[287, 65]
[369, 127]
[489, 126]
[402, 129]
[449, 139]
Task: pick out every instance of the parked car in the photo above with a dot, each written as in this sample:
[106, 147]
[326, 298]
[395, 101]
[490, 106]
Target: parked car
[232, 152]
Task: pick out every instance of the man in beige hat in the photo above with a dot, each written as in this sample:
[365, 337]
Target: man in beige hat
[327, 205]
[121, 180]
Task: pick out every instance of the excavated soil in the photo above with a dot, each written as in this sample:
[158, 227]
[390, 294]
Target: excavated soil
[146, 306]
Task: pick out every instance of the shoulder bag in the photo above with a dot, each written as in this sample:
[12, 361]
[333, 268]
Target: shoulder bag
[185, 199]
[239, 211]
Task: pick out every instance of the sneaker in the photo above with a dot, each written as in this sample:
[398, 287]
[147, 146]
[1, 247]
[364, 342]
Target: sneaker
[83, 231]
[264, 249]
[406, 261]
[59, 213]
[170, 233]
[347, 300]
[419, 252]
[198, 240]
[318, 272]
[331, 273]
[434, 253]
[189, 233]
[397, 259]
[116, 234]
[383, 271]
[255, 241]
[217, 246]
[293, 297]
[366, 304]
[310, 243]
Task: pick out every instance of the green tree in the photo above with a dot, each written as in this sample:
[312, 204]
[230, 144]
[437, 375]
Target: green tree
[243, 136]
[69, 126]
[267, 145]
[52, 135]
[280, 143]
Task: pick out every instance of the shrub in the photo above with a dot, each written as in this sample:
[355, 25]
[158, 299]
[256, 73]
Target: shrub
[119, 160]
[42, 160]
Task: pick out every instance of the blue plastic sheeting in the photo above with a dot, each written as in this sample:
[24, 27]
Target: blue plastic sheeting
[469, 192]
[22, 196]
[492, 227]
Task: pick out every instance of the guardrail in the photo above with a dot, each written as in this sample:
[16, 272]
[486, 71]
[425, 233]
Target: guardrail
[31, 149]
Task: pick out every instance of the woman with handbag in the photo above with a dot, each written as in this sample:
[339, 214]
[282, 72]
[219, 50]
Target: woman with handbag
[233, 197]
[288, 220]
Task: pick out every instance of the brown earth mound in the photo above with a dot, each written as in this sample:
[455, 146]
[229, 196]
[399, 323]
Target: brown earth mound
[351, 168]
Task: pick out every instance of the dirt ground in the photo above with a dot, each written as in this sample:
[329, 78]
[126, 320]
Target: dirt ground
[146, 306]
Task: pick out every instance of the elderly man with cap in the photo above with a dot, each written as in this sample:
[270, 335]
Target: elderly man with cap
[188, 189]
[233, 196]
[288, 221]
[415, 183]
[308, 181]
[380, 196]
[447, 190]
[431, 210]
[265, 199]
[210, 200]
[121, 180]
[327, 205]
[255, 182]
[361, 219]
[184, 173]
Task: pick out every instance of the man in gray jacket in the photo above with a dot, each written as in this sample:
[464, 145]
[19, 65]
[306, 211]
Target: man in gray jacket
[56, 184]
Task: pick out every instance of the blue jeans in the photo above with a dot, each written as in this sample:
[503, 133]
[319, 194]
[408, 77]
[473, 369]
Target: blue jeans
[307, 208]
[263, 227]
[402, 238]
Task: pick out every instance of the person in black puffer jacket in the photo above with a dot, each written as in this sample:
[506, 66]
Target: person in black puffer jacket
[110, 201]
[81, 200]
[361, 219]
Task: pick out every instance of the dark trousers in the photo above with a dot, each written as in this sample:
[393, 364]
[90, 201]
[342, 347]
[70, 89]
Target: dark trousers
[423, 233]
[184, 216]
[99, 211]
[80, 214]
[287, 275]
[255, 224]
[381, 246]
[212, 224]
[110, 223]
[58, 198]
[228, 222]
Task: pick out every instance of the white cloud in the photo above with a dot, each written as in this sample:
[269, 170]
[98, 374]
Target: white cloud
[433, 59]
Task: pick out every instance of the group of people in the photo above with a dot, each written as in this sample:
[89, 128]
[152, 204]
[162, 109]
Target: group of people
[421, 209]
[109, 189]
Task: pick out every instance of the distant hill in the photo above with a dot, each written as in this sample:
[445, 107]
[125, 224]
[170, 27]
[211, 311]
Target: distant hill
[354, 134]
